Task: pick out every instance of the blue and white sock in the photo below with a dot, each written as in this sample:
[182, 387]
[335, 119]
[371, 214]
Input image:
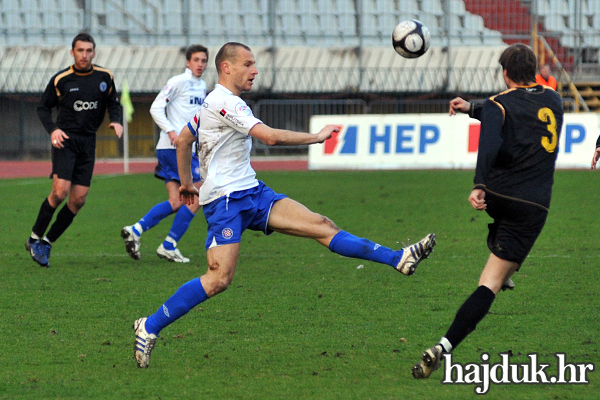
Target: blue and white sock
[153, 217]
[180, 225]
[188, 296]
[348, 245]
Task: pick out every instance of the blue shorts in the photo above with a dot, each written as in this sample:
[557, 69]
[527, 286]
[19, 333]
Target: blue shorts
[229, 216]
[167, 166]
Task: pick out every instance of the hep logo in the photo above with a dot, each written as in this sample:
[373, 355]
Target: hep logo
[342, 142]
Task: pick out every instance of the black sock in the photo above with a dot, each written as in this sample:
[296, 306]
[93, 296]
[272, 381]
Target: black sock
[469, 314]
[43, 219]
[63, 220]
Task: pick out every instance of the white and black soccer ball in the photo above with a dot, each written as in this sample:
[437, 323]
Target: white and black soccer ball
[411, 38]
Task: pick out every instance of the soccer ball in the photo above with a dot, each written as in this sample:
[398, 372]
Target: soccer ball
[411, 38]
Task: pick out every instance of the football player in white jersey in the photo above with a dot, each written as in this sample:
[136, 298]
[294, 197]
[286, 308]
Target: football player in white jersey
[234, 200]
[171, 110]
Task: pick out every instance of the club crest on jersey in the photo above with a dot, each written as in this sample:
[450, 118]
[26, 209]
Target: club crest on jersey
[227, 233]
[103, 86]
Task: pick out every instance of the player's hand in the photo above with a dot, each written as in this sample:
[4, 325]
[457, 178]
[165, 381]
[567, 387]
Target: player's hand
[459, 105]
[326, 132]
[173, 137]
[596, 157]
[477, 199]
[188, 193]
[57, 137]
[117, 127]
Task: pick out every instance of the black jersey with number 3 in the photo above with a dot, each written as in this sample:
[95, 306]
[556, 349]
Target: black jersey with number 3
[518, 144]
[82, 98]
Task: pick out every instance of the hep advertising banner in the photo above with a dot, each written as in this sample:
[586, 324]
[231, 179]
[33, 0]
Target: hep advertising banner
[416, 141]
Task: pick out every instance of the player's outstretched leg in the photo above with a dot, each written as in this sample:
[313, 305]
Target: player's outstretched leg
[132, 242]
[430, 361]
[412, 255]
[144, 343]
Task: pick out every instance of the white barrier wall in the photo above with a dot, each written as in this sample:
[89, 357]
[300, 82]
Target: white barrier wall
[415, 141]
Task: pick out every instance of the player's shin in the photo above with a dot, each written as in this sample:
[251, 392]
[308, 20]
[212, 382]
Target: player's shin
[188, 296]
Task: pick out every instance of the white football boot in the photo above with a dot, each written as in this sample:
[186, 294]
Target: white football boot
[132, 242]
[412, 255]
[430, 361]
[144, 343]
[171, 255]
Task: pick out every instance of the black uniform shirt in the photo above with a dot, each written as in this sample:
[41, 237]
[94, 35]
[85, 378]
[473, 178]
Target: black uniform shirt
[518, 143]
[82, 99]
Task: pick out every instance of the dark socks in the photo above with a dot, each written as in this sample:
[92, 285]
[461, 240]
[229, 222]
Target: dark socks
[63, 220]
[469, 314]
[43, 219]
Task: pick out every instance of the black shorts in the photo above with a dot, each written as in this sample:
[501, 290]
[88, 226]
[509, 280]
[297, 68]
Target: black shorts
[75, 161]
[516, 227]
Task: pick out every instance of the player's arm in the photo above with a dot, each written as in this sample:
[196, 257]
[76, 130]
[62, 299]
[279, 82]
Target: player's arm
[158, 110]
[115, 111]
[490, 142]
[48, 101]
[273, 137]
[596, 154]
[185, 142]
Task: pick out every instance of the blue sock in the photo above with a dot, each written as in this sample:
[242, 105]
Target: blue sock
[348, 245]
[188, 296]
[155, 215]
[180, 225]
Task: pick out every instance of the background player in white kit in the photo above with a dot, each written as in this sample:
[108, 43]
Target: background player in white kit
[173, 107]
[234, 200]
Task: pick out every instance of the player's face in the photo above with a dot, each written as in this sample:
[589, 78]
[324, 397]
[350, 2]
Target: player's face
[197, 63]
[244, 70]
[83, 53]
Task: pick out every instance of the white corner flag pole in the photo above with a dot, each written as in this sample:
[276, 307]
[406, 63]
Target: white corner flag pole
[125, 146]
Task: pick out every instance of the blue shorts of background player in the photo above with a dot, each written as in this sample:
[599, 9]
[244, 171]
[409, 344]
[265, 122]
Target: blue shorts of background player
[167, 166]
[229, 216]
[167, 171]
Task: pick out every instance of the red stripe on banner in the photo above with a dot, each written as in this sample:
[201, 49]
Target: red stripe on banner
[474, 130]
[331, 143]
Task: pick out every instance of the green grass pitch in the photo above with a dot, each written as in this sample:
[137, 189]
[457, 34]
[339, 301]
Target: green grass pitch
[298, 322]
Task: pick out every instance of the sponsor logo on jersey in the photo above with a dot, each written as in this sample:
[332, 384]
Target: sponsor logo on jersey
[231, 118]
[81, 105]
[103, 86]
[227, 233]
[74, 89]
[195, 100]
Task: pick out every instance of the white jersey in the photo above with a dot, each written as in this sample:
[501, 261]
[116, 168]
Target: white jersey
[177, 102]
[221, 126]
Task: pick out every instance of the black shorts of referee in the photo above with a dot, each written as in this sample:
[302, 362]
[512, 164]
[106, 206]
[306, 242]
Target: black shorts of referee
[517, 225]
[75, 161]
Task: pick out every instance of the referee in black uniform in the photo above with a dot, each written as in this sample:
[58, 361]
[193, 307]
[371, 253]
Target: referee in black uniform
[82, 93]
[517, 153]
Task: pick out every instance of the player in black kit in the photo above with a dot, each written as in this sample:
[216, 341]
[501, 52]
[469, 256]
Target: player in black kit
[82, 93]
[517, 153]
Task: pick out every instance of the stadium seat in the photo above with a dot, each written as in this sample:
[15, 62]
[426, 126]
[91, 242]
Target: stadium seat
[457, 7]
[492, 38]
[555, 23]
[433, 7]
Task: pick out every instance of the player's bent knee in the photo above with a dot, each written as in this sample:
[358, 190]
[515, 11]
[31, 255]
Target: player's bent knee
[327, 222]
